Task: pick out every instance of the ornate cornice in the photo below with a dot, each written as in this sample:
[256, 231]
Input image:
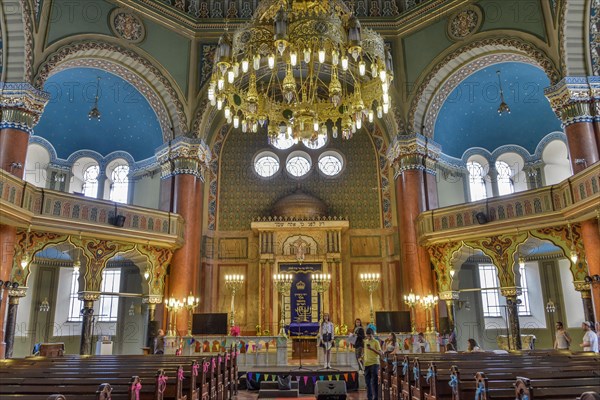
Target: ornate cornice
[581, 286]
[413, 152]
[512, 291]
[184, 156]
[18, 292]
[21, 105]
[575, 99]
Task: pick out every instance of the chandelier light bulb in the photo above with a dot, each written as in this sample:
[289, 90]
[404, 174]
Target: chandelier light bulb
[236, 122]
[146, 274]
[344, 63]
[289, 131]
[322, 56]
[371, 116]
[227, 112]
[230, 76]
[316, 125]
[244, 126]
[221, 84]
[362, 68]
[245, 65]
[307, 55]
[219, 103]
[382, 75]
[293, 58]
[334, 132]
[386, 99]
[358, 123]
[236, 70]
[256, 62]
[374, 70]
[211, 91]
[379, 112]
[335, 57]
[271, 60]
[386, 108]
[213, 102]
[385, 87]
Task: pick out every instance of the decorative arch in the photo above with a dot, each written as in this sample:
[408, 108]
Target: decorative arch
[546, 140]
[457, 66]
[131, 67]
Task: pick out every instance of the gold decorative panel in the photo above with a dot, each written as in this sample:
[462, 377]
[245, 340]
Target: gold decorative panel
[365, 246]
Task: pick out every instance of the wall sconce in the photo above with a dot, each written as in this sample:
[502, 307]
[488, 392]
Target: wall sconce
[464, 304]
[146, 274]
[452, 272]
[44, 305]
[550, 307]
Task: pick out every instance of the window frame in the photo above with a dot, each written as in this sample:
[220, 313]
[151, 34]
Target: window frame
[74, 299]
[477, 182]
[92, 184]
[117, 183]
[109, 301]
[489, 290]
[504, 178]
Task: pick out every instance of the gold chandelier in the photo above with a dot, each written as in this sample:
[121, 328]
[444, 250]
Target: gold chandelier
[300, 69]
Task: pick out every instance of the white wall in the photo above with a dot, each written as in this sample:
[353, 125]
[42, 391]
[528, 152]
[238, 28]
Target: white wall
[573, 304]
[557, 166]
[146, 191]
[36, 166]
[451, 190]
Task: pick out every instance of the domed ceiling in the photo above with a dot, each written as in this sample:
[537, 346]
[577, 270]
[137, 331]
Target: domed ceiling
[127, 123]
[469, 116]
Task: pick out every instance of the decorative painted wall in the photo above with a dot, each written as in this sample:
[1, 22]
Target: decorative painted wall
[243, 195]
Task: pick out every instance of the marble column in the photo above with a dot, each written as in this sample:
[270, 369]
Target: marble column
[449, 298]
[21, 106]
[151, 301]
[87, 324]
[184, 161]
[584, 288]
[414, 158]
[590, 235]
[14, 294]
[572, 100]
[512, 314]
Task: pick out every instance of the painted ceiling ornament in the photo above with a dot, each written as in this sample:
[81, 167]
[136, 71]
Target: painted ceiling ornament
[127, 25]
[464, 23]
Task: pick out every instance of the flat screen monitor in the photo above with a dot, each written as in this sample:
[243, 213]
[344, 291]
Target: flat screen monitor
[210, 324]
[392, 321]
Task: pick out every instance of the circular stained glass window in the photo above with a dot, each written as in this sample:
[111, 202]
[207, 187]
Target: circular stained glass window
[330, 163]
[266, 164]
[298, 164]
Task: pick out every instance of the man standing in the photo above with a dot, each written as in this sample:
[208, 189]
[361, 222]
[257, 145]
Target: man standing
[590, 339]
[159, 342]
[563, 340]
[372, 354]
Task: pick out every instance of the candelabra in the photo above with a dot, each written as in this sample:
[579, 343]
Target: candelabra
[428, 303]
[370, 282]
[283, 283]
[320, 283]
[411, 300]
[190, 303]
[233, 283]
[551, 309]
[173, 306]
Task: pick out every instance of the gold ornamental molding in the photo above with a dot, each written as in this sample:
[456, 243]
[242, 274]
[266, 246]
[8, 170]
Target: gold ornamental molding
[21, 105]
[184, 155]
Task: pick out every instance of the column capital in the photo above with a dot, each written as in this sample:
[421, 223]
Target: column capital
[449, 295]
[184, 155]
[413, 152]
[581, 286]
[575, 99]
[18, 292]
[21, 105]
[512, 291]
[152, 299]
[88, 296]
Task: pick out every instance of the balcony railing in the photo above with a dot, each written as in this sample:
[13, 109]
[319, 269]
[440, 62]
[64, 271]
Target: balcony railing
[573, 199]
[243, 9]
[24, 204]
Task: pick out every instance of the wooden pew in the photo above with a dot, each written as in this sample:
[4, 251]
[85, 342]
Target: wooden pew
[179, 390]
[405, 394]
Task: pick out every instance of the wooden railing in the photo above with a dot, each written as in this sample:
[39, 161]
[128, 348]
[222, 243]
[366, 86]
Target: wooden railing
[49, 210]
[576, 198]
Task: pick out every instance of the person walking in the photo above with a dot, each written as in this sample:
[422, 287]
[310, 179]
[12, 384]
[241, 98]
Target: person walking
[359, 344]
[372, 354]
[563, 340]
[590, 339]
[159, 342]
[326, 338]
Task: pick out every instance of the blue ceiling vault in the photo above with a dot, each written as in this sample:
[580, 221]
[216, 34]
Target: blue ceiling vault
[469, 117]
[128, 123]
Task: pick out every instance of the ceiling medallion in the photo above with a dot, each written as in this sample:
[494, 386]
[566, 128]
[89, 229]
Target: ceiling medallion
[301, 69]
[127, 25]
[465, 22]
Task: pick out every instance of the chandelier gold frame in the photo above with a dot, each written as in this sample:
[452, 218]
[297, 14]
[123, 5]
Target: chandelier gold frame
[301, 69]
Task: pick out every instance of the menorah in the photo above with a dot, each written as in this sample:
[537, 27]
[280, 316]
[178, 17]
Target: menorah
[321, 283]
[173, 306]
[371, 283]
[283, 283]
[190, 303]
[233, 283]
[411, 300]
[428, 303]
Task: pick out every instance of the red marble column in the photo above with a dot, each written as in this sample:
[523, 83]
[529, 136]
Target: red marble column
[182, 191]
[597, 131]
[21, 106]
[583, 148]
[590, 235]
[416, 191]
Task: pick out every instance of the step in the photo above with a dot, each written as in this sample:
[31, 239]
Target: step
[276, 393]
[274, 385]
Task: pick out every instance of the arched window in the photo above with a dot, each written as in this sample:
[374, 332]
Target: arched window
[505, 180]
[90, 181]
[120, 184]
[476, 181]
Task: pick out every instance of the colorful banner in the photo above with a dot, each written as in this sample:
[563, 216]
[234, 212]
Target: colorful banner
[301, 291]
